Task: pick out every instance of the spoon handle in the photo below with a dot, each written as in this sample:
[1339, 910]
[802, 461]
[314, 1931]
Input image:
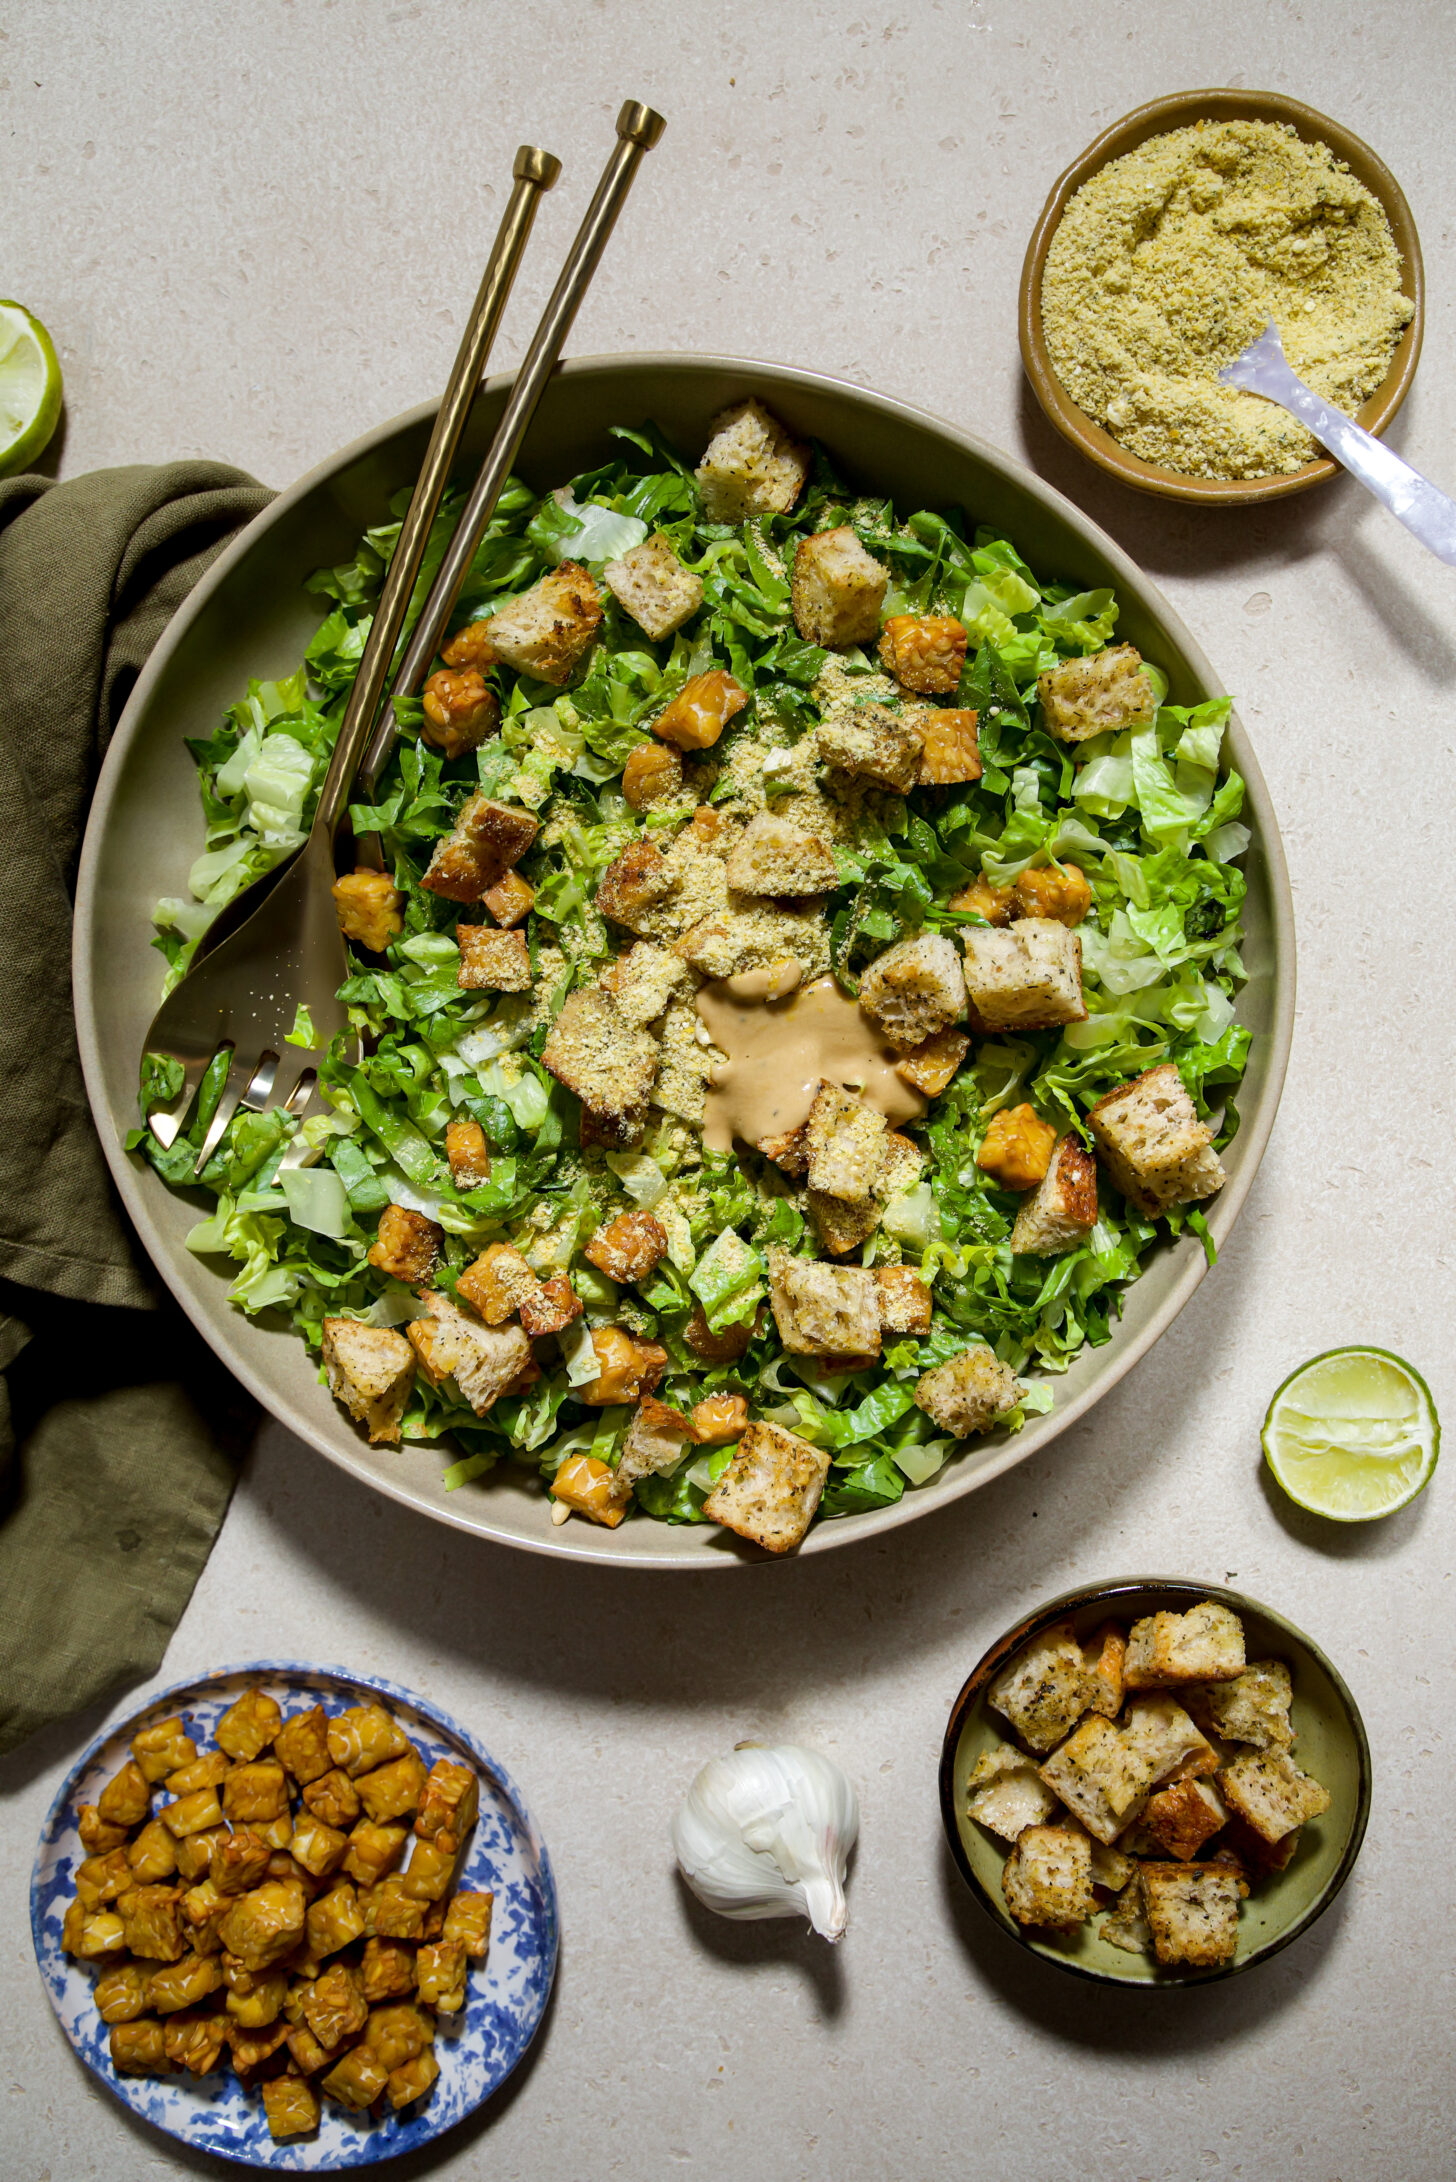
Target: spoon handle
[1412, 499]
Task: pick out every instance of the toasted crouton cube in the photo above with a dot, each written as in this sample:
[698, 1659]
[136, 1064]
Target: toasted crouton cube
[930, 1066]
[924, 652]
[1045, 1689]
[370, 1370]
[292, 2107]
[498, 1283]
[1101, 1776]
[547, 631]
[1017, 1148]
[1193, 1910]
[652, 774]
[846, 1145]
[1007, 1793]
[950, 745]
[838, 589]
[1056, 890]
[1047, 1878]
[628, 1247]
[468, 1154]
[654, 587]
[839, 1226]
[484, 1361]
[770, 1489]
[1253, 1708]
[638, 882]
[824, 1310]
[1062, 1210]
[1153, 1144]
[370, 908]
[1110, 1868]
[643, 981]
[790, 1151]
[487, 839]
[1204, 1645]
[509, 899]
[905, 1299]
[461, 711]
[608, 1062]
[1126, 1923]
[701, 710]
[969, 1392]
[1084, 697]
[550, 1307]
[914, 989]
[407, 1246]
[492, 961]
[1270, 1793]
[869, 742]
[1104, 1655]
[751, 465]
[657, 1439]
[1182, 1816]
[1163, 1734]
[774, 856]
[591, 1488]
[1028, 977]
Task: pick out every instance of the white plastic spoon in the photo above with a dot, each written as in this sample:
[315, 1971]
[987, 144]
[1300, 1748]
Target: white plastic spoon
[1412, 499]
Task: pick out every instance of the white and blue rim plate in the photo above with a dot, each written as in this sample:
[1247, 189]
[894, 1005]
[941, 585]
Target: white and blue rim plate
[506, 1995]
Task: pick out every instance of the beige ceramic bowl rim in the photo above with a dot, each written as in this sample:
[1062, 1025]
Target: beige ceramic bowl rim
[590, 1543]
[1123, 1592]
[1180, 109]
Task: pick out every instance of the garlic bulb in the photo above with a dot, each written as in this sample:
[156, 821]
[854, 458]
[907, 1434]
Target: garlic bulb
[767, 1832]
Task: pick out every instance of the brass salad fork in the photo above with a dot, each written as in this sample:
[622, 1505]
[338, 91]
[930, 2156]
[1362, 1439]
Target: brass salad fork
[266, 992]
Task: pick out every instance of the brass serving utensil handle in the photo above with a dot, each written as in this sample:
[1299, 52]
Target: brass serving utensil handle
[638, 129]
[535, 171]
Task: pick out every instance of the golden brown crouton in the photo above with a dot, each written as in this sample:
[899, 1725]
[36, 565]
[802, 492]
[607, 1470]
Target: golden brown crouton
[1007, 1793]
[1182, 1816]
[638, 882]
[498, 1283]
[492, 961]
[652, 774]
[1270, 1793]
[628, 1247]
[924, 652]
[1085, 697]
[1101, 1776]
[408, 1244]
[950, 748]
[770, 1489]
[1044, 1690]
[657, 1439]
[609, 1063]
[1028, 977]
[654, 587]
[701, 710]
[547, 631]
[484, 1361]
[1047, 1878]
[1057, 890]
[905, 1299]
[914, 989]
[1193, 1910]
[1204, 1645]
[509, 899]
[1017, 1148]
[468, 1154]
[1153, 1144]
[869, 742]
[969, 1392]
[371, 1370]
[751, 466]
[824, 1310]
[842, 1227]
[930, 1066]
[845, 1141]
[369, 906]
[1062, 1210]
[487, 839]
[790, 1151]
[838, 589]
[1252, 1708]
[461, 711]
[643, 981]
[1125, 1924]
[1105, 1654]
[773, 856]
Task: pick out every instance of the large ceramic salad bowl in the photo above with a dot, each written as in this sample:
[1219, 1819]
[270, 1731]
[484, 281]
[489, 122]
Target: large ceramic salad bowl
[252, 618]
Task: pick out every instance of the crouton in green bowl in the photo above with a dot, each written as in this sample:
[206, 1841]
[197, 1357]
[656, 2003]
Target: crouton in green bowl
[1155, 1782]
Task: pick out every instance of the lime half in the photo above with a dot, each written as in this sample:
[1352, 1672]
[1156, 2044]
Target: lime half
[1353, 1434]
[30, 388]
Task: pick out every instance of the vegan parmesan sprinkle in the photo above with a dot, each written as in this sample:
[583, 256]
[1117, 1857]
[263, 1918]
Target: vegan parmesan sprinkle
[1172, 259]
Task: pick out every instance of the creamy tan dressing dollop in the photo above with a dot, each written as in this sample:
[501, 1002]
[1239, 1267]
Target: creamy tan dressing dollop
[781, 1043]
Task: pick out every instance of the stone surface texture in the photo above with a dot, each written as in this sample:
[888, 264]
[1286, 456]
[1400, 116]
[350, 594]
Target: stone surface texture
[252, 231]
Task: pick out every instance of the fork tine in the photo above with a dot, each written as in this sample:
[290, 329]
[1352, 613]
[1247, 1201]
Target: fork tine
[260, 1088]
[305, 1101]
[165, 1122]
[238, 1077]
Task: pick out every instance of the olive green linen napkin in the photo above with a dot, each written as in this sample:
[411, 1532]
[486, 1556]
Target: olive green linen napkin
[118, 1430]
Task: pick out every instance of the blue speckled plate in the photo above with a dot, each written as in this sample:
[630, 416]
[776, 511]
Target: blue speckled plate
[507, 1993]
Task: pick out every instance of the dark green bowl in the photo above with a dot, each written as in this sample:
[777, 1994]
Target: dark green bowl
[1330, 1743]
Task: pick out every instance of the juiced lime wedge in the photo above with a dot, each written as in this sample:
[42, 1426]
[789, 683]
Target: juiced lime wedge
[1353, 1434]
[30, 388]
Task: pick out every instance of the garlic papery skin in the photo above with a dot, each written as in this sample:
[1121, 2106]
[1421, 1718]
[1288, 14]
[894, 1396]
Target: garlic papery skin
[766, 1832]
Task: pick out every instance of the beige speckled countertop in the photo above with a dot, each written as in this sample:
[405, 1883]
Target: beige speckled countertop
[252, 230]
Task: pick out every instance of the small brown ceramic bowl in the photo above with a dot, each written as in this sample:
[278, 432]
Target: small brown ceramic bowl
[1330, 1743]
[1181, 111]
